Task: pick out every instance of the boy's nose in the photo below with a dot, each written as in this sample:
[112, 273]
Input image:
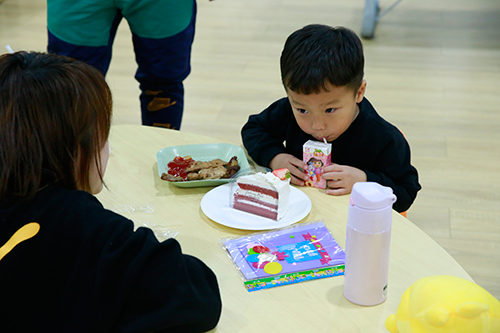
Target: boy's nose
[318, 125]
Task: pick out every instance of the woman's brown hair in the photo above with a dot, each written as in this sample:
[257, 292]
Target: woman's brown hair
[55, 116]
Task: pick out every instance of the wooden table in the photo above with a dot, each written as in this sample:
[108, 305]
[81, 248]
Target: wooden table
[313, 306]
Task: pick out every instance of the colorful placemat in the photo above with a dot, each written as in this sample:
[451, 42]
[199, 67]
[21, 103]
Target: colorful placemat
[303, 252]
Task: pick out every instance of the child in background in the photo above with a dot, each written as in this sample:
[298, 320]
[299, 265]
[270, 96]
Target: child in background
[77, 267]
[162, 35]
[322, 72]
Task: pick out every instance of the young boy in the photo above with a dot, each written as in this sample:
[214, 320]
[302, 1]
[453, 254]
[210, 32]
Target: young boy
[322, 72]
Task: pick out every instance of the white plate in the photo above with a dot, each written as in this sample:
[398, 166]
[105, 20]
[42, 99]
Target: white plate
[215, 205]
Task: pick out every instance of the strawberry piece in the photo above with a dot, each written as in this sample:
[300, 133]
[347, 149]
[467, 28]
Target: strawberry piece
[282, 173]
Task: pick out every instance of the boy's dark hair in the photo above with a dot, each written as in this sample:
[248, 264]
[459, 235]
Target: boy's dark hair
[55, 117]
[317, 54]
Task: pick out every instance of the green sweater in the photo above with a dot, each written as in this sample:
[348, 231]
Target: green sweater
[88, 22]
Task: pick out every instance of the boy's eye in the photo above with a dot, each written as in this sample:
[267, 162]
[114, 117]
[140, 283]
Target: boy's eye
[330, 110]
[301, 111]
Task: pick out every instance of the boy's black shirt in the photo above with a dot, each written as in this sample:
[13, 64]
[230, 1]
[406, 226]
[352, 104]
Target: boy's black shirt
[370, 144]
[86, 270]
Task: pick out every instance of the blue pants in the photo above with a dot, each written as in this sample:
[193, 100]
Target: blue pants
[163, 64]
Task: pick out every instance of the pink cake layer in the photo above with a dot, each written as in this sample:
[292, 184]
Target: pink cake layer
[258, 189]
[238, 197]
[255, 210]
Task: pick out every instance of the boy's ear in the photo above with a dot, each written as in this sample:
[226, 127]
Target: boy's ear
[361, 92]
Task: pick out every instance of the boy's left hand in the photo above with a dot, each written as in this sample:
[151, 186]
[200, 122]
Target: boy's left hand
[341, 178]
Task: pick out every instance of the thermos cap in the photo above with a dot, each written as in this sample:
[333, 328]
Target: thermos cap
[371, 196]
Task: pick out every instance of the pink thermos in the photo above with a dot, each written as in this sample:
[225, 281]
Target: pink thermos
[368, 241]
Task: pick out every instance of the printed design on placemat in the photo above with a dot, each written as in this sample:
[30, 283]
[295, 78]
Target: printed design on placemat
[287, 256]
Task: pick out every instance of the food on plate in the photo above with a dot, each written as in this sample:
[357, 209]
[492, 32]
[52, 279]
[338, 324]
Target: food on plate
[263, 194]
[186, 169]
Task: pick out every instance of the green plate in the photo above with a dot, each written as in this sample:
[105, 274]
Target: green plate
[202, 152]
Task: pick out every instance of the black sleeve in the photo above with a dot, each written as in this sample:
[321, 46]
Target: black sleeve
[154, 287]
[394, 160]
[264, 134]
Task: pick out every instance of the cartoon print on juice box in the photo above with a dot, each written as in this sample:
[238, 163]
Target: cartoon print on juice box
[316, 155]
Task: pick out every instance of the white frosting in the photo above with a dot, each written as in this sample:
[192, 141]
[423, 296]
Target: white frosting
[271, 182]
[259, 196]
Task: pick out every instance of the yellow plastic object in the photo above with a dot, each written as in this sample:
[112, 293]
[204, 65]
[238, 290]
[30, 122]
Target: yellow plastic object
[445, 304]
[25, 232]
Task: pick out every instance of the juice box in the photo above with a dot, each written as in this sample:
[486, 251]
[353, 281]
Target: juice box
[317, 155]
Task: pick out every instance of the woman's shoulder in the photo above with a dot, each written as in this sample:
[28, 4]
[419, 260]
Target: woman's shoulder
[68, 201]
[76, 210]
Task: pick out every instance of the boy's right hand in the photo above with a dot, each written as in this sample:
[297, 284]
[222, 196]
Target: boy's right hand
[293, 164]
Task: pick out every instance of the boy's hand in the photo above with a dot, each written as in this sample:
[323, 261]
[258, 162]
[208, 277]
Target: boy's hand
[341, 178]
[293, 164]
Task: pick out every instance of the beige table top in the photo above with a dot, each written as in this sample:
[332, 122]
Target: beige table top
[313, 306]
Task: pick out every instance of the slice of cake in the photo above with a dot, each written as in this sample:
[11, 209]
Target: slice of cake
[263, 194]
